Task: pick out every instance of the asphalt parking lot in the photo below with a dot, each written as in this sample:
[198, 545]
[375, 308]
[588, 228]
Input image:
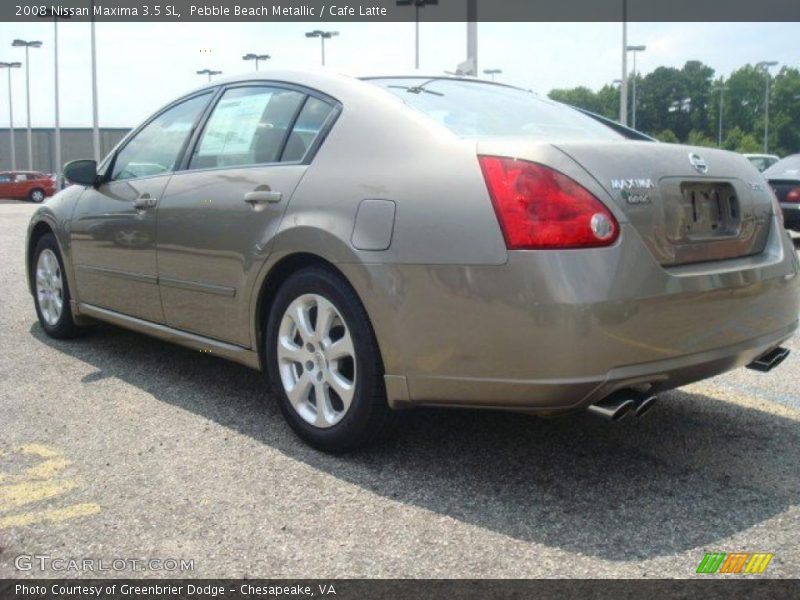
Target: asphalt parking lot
[118, 446]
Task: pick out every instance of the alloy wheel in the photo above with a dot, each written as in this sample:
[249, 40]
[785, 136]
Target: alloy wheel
[316, 360]
[49, 287]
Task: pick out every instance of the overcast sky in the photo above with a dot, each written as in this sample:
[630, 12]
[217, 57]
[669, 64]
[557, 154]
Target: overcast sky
[143, 66]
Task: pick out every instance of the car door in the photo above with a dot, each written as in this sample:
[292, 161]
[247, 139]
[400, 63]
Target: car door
[113, 229]
[6, 185]
[217, 217]
[18, 185]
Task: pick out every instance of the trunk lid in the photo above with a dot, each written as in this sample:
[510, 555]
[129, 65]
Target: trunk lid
[688, 204]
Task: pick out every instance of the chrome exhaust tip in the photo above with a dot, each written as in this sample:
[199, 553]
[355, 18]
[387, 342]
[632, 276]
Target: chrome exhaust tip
[769, 360]
[613, 408]
[645, 404]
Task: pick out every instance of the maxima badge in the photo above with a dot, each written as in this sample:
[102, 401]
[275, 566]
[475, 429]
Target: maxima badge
[698, 162]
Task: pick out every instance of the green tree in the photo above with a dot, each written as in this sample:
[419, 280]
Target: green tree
[698, 81]
[739, 141]
[683, 105]
[744, 100]
[667, 136]
[784, 120]
[698, 138]
[582, 97]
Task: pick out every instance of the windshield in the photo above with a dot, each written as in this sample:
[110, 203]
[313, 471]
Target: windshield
[787, 168]
[476, 109]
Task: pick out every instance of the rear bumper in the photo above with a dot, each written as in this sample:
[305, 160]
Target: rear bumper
[560, 396]
[553, 331]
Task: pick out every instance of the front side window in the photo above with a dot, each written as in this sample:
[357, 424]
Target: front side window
[249, 125]
[475, 109]
[5, 178]
[155, 149]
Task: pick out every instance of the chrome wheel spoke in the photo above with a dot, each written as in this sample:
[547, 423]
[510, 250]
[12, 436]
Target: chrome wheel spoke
[341, 348]
[303, 322]
[343, 388]
[324, 416]
[288, 351]
[298, 393]
[326, 314]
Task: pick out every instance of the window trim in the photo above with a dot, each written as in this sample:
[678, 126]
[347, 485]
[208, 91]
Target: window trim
[311, 151]
[111, 164]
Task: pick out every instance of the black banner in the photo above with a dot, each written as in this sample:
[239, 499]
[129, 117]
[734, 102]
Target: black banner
[373, 11]
[394, 589]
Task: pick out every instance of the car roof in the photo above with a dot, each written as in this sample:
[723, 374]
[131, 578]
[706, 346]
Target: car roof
[328, 80]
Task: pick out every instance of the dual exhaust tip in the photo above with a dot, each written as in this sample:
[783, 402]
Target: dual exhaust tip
[620, 404]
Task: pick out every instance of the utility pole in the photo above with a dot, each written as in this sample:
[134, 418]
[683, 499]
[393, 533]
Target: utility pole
[623, 88]
[472, 36]
[9, 66]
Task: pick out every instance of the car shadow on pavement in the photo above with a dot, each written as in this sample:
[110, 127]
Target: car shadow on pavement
[693, 471]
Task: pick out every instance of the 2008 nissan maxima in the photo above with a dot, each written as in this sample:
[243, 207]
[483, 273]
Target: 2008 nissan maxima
[374, 244]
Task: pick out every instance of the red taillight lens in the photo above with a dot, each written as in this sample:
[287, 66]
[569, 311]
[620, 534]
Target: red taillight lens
[539, 208]
[793, 195]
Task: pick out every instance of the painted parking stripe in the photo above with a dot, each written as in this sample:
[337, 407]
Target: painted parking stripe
[42, 482]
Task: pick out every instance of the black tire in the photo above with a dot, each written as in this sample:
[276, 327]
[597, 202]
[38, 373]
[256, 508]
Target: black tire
[65, 327]
[369, 419]
[36, 195]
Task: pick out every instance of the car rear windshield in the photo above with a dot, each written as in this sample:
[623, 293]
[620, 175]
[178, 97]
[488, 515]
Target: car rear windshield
[478, 109]
[786, 168]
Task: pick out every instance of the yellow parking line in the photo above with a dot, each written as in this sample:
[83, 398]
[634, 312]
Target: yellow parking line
[39, 450]
[20, 494]
[54, 515]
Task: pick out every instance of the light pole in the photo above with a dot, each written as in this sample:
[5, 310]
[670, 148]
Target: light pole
[623, 88]
[721, 90]
[28, 45]
[208, 72]
[492, 72]
[766, 64]
[634, 49]
[417, 4]
[256, 57]
[57, 136]
[322, 35]
[9, 66]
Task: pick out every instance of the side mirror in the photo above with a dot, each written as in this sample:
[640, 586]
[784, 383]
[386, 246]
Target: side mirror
[82, 172]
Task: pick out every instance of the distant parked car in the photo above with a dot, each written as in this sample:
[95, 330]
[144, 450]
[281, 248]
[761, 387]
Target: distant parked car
[762, 162]
[784, 177]
[26, 185]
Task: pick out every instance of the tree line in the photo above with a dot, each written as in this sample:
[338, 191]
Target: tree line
[683, 105]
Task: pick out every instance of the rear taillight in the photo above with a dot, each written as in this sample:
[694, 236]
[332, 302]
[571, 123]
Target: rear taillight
[793, 195]
[539, 208]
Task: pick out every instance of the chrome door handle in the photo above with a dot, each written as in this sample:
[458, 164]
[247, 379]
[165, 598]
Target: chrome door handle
[262, 197]
[144, 202]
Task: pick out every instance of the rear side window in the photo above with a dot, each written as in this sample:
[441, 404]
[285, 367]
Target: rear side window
[476, 109]
[309, 123]
[156, 147]
[249, 125]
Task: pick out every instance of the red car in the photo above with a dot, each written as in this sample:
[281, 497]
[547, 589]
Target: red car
[26, 185]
